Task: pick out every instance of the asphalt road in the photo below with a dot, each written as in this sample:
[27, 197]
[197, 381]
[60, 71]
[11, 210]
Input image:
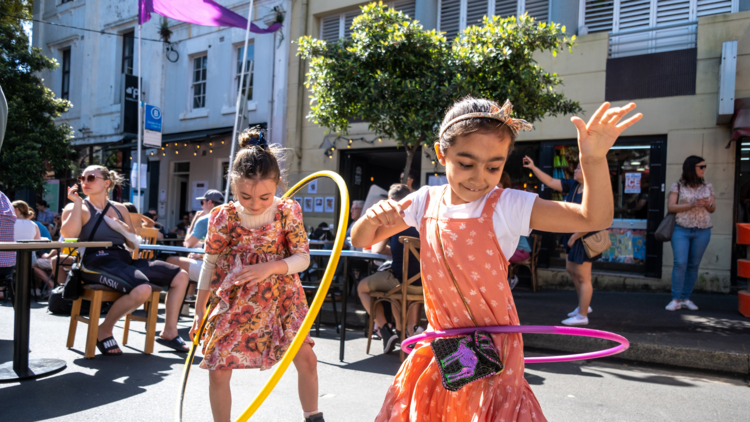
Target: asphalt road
[136, 387]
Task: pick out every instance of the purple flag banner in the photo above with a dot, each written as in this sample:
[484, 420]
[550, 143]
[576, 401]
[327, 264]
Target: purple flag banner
[199, 12]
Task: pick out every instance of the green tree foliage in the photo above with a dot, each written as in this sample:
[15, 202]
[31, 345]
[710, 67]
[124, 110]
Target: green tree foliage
[33, 143]
[402, 79]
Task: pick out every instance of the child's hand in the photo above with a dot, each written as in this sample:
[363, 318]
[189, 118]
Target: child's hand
[197, 320]
[602, 130]
[254, 273]
[387, 213]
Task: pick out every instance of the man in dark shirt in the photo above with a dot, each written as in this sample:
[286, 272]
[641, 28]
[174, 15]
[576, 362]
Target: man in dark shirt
[384, 281]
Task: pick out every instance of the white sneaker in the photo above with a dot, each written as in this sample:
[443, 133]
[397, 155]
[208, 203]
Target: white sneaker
[673, 305]
[576, 319]
[38, 292]
[513, 281]
[689, 304]
[575, 311]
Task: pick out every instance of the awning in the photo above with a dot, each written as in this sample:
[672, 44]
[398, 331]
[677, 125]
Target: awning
[195, 135]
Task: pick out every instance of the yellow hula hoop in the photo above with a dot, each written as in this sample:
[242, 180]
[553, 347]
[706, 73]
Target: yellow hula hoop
[288, 357]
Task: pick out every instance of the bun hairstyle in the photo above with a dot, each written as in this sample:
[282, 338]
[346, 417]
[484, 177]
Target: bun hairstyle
[256, 160]
[114, 178]
[24, 209]
[481, 125]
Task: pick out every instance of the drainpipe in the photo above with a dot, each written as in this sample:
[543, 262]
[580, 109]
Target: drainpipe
[301, 91]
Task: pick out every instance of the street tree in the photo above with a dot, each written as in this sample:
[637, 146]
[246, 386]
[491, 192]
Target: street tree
[402, 79]
[34, 144]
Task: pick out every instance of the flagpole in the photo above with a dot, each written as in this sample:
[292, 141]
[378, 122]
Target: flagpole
[140, 125]
[240, 97]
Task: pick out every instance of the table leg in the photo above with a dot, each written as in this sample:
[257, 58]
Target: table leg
[21, 368]
[344, 294]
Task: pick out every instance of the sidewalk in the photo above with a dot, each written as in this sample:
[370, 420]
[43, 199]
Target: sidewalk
[715, 338]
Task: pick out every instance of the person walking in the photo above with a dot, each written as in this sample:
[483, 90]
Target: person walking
[578, 263]
[692, 200]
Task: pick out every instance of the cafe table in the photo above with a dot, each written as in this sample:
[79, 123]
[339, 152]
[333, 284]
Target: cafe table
[22, 367]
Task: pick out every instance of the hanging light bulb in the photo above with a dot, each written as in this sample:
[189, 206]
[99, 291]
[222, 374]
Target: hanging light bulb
[210, 144]
[380, 139]
[177, 152]
[350, 142]
[433, 162]
[195, 153]
[131, 157]
[163, 154]
[210, 151]
[186, 144]
[222, 142]
[197, 146]
[162, 148]
[333, 148]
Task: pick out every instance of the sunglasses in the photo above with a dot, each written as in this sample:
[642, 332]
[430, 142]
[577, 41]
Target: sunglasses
[89, 179]
[703, 167]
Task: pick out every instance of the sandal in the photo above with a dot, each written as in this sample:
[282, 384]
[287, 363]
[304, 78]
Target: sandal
[176, 343]
[108, 344]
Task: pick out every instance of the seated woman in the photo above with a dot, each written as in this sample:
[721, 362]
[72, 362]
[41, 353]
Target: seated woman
[26, 229]
[114, 266]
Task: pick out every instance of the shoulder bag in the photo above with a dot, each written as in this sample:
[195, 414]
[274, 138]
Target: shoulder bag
[596, 243]
[664, 232]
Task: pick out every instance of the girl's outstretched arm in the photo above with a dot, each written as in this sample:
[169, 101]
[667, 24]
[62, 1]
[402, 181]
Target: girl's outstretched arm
[597, 210]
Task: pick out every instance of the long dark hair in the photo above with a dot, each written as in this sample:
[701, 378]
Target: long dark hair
[689, 176]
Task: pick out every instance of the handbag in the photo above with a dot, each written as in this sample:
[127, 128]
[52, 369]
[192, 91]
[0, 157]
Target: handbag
[596, 243]
[664, 232]
[464, 359]
[73, 287]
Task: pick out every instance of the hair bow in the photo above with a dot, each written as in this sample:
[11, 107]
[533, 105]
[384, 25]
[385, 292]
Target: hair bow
[261, 141]
[502, 114]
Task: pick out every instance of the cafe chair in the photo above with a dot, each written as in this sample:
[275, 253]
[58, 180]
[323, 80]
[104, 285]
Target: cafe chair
[530, 262]
[149, 238]
[398, 296]
[137, 220]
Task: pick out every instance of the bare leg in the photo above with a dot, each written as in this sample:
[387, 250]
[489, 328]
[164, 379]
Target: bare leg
[184, 264]
[120, 308]
[572, 269]
[174, 303]
[585, 289]
[307, 377]
[412, 319]
[363, 290]
[220, 394]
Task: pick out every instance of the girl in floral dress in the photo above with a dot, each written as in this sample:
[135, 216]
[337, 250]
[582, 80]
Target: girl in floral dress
[468, 228]
[254, 249]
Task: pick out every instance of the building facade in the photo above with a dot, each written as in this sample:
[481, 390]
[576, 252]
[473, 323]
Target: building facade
[665, 56]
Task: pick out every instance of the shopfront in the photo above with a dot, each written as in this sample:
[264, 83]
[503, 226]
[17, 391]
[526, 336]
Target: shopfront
[637, 173]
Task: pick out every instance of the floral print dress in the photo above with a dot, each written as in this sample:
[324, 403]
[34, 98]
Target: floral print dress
[253, 324]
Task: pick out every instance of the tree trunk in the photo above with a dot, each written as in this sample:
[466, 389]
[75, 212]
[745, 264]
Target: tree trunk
[410, 152]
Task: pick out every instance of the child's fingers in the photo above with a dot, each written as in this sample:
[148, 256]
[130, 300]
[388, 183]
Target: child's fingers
[372, 217]
[580, 126]
[401, 206]
[597, 117]
[630, 122]
[388, 216]
[621, 112]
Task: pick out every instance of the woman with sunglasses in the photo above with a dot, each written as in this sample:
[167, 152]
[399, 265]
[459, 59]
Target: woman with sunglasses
[114, 266]
[692, 200]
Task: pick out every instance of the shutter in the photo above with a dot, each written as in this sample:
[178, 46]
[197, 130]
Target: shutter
[506, 8]
[450, 18]
[329, 28]
[599, 15]
[713, 7]
[672, 11]
[538, 9]
[634, 14]
[407, 7]
[476, 10]
[349, 20]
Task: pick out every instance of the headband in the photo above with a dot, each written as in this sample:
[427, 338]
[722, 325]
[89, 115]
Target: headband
[501, 114]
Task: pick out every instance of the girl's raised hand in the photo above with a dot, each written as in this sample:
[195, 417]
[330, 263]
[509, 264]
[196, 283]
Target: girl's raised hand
[603, 129]
[387, 213]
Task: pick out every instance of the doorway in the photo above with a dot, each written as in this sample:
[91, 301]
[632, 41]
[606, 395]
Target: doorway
[741, 206]
[179, 199]
[363, 168]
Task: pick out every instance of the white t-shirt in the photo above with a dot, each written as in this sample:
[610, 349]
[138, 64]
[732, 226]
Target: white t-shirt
[510, 220]
[24, 230]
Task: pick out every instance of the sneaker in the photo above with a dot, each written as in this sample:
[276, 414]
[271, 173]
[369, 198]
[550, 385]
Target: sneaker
[576, 319]
[38, 293]
[513, 281]
[575, 311]
[375, 335]
[418, 330]
[389, 338]
[687, 303]
[673, 305]
[318, 417]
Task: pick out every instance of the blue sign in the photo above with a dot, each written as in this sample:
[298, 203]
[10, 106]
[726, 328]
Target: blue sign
[153, 118]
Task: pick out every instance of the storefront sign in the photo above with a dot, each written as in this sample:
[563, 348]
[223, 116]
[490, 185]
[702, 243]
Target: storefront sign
[130, 104]
[52, 195]
[632, 182]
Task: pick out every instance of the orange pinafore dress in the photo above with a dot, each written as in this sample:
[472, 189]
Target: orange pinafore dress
[481, 273]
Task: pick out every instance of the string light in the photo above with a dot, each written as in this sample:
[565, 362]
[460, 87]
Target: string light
[198, 146]
[177, 152]
[210, 151]
[210, 144]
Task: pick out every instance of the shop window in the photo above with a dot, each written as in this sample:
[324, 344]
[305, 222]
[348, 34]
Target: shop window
[456, 15]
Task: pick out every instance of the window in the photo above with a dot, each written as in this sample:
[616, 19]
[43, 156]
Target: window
[65, 89]
[334, 27]
[128, 43]
[649, 26]
[455, 15]
[198, 86]
[247, 81]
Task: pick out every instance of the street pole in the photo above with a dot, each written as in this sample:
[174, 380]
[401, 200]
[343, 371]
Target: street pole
[140, 124]
[240, 97]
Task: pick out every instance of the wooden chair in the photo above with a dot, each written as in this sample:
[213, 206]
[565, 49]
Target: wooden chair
[530, 262]
[149, 238]
[96, 294]
[137, 220]
[398, 296]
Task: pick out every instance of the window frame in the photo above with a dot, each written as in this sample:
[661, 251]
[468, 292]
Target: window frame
[462, 24]
[65, 76]
[343, 15]
[123, 57]
[236, 59]
[203, 82]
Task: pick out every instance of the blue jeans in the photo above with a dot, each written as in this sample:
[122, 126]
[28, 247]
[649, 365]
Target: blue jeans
[688, 246]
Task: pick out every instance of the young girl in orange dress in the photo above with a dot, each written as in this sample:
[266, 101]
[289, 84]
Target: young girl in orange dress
[468, 228]
[254, 249]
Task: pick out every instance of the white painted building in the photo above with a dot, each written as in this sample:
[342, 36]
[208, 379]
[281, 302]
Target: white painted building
[193, 79]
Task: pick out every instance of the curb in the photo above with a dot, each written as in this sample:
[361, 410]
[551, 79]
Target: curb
[647, 351]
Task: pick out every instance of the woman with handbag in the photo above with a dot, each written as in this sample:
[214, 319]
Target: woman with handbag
[580, 255]
[692, 201]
